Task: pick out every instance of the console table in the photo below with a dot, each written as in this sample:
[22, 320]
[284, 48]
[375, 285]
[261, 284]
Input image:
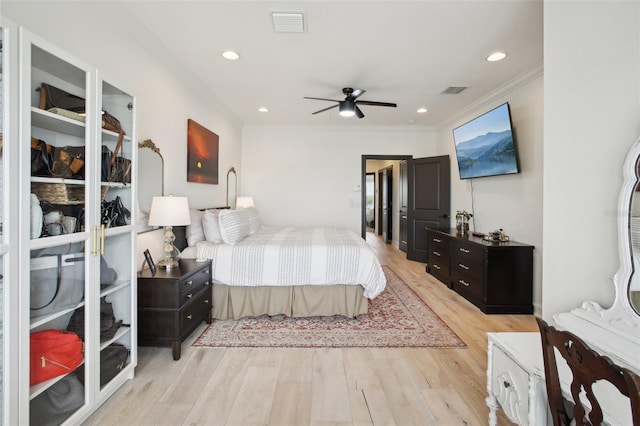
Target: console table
[497, 277]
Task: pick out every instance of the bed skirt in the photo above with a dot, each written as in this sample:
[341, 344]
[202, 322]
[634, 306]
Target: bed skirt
[233, 302]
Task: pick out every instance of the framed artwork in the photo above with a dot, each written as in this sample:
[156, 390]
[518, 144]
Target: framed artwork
[149, 260]
[202, 154]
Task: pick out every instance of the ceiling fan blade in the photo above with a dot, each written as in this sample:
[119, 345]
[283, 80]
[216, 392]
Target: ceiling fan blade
[359, 113]
[323, 110]
[323, 99]
[354, 95]
[386, 104]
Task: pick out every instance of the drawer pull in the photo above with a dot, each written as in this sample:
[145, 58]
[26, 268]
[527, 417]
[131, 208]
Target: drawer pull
[206, 301]
[207, 282]
[437, 254]
[464, 283]
[506, 384]
[189, 296]
[190, 282]
[463, 266]
[437, 240]
[189, 316]
[436, 267]
[464, 250]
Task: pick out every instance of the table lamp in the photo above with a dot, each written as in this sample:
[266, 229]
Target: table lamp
[169, 212]
[244, 202]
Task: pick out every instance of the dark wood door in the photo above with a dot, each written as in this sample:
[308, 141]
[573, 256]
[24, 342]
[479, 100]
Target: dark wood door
[429, 188]
[386, 196]
[403, 196]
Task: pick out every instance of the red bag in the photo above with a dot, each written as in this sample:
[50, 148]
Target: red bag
[53, 353]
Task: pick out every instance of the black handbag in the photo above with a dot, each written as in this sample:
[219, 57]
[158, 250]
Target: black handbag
[108, 323]
[52, 97]
[114, 213]
[41, 158]
[113, 359]
[105, 164]
[58, 403]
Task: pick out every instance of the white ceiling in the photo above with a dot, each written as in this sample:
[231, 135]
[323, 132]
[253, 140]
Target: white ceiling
[405, 52]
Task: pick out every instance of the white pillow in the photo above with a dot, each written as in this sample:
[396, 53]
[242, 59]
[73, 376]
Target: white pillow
[195, 232]
[211, 227]
[254, 219]
[234, 225]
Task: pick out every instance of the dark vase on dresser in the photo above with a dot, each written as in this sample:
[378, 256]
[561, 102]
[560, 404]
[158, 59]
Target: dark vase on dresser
[497, 277]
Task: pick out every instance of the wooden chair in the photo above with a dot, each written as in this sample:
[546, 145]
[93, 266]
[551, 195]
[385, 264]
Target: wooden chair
[587, 367]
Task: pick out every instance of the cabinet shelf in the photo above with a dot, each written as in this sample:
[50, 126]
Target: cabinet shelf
[57, 123]
[44, 319]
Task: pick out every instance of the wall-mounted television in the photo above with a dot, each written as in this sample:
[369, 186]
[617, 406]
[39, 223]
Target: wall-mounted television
[485, 145]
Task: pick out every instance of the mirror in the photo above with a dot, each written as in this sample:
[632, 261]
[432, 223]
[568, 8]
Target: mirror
[232, 188]
[150, 177]
[634, 228]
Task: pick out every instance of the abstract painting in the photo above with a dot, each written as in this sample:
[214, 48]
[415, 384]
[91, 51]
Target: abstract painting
[202, 154]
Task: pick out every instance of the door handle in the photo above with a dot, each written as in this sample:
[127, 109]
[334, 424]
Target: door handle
[444, 216]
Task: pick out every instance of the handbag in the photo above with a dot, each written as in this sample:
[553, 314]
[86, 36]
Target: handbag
[120, 166]
[114, 213]
[53, 353]
[57, 403]
[57, 280]
[41, 158]
[52, 97]
[105, 164]
[68, 162]
[113, 359]
[108, 324]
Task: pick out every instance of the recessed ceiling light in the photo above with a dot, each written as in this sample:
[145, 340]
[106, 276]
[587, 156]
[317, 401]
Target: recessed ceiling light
[230, 55]
[263, 109]
[496, 56]
[421, 110]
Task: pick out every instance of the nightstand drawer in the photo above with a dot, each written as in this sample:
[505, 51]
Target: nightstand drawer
[195, 281]
[193, 314]
[510, 385]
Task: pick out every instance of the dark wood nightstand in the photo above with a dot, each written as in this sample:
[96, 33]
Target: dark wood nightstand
[173, 303]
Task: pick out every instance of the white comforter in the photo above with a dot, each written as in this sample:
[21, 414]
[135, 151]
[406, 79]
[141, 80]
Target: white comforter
[296, 256]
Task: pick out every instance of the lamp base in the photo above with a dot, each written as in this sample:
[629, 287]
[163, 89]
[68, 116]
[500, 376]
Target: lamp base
[168, 263]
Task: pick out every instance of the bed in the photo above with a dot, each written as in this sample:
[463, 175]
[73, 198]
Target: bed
[298, 272]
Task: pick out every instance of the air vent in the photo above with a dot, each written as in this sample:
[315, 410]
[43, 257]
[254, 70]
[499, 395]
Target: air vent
[288, 22]
[453, 90]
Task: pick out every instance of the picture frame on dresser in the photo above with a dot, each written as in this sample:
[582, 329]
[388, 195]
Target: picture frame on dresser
[150, 263]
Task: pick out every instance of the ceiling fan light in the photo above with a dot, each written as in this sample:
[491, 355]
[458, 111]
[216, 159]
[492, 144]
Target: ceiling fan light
[347, 109]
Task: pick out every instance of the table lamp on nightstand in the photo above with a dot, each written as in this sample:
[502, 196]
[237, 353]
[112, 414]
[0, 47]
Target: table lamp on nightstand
[169, 212]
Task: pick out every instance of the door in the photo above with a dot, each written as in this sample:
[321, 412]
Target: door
[387, 203]
[404, 205]
[429, 188]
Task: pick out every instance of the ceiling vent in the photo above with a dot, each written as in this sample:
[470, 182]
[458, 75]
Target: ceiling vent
[453, 90]
[288, 22]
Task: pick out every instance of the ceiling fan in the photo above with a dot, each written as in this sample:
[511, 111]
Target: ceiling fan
[349, 106]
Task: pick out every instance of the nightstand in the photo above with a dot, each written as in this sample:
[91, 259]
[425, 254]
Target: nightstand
[173, 303]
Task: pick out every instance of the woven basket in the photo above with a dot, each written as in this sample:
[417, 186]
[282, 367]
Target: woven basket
[62, 193]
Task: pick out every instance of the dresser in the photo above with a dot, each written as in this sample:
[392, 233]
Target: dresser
[172, 303]
[497, 277]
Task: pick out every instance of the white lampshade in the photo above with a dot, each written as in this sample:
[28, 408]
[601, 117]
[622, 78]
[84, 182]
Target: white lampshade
[169, 211]
[244, 202]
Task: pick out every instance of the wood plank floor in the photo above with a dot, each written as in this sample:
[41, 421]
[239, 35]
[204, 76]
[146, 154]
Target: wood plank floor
[327, 386]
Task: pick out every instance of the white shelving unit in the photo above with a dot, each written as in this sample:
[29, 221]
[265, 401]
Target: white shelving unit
[93, 245]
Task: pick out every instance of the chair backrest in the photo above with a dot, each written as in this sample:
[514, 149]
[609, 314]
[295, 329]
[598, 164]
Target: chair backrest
[587, 367]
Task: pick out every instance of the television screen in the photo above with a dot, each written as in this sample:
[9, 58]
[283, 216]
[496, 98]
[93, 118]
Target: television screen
[485, 146]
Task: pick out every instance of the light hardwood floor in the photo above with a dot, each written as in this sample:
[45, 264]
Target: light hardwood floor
[329, 386]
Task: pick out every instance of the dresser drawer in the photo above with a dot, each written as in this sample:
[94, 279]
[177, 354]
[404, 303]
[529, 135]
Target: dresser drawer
[195, 312]
[467, 267]
[466, 286]
[438, 241]
[467, 250]
[192, 283]
[510, 385]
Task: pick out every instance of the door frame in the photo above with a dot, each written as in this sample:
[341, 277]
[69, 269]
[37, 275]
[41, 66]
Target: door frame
[363, 184]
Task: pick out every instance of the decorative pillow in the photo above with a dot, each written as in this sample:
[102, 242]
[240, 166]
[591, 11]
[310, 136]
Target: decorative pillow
[195, 233]
[211, 226]
[254, 219]
[234, 225]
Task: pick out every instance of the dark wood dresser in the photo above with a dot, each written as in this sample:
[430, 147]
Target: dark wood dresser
[173, 303]
[497, 277]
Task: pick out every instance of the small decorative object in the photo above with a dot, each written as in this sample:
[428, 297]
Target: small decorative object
[462, 221]
[169, 212]
[150, 263]
[498, 235]
[202, 154]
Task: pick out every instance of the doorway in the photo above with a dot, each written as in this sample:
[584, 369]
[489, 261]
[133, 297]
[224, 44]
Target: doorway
[370, 199]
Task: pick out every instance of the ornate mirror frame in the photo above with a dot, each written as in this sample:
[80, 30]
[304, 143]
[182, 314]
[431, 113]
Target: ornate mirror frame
[157, 189]
[616, 330]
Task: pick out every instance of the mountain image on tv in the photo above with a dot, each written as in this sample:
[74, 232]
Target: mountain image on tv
[490, 154]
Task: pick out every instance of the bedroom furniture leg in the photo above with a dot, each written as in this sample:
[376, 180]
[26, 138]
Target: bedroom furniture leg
[176, 349]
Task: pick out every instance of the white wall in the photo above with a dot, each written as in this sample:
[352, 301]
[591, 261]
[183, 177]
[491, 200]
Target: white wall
[591, 116]
[304, 176]
[165, 98]
[510, 202]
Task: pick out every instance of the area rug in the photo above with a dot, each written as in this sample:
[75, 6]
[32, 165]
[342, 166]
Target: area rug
[396, 318]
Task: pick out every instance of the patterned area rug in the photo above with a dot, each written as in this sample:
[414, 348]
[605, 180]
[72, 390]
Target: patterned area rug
[396, 318]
